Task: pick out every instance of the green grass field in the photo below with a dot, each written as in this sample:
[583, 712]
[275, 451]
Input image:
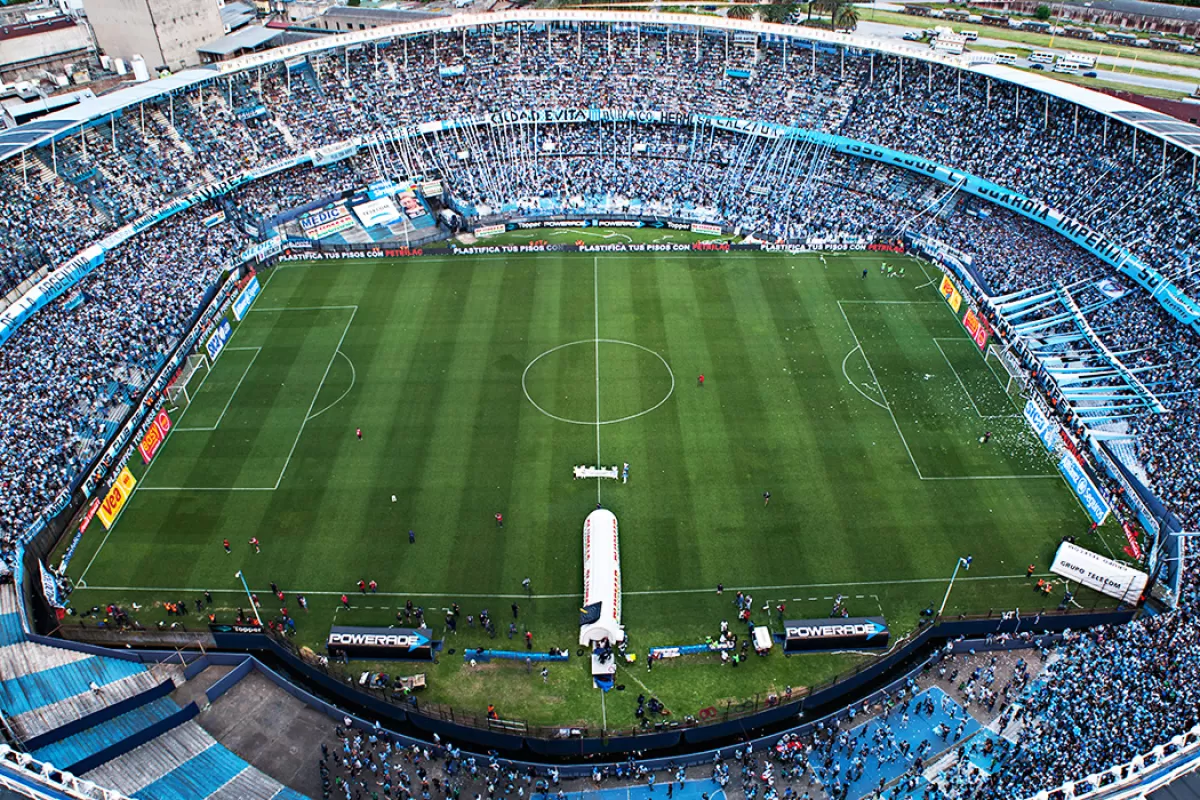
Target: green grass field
[856, 402]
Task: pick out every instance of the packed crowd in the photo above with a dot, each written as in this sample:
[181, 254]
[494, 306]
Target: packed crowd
[130, 311]
[56, 399]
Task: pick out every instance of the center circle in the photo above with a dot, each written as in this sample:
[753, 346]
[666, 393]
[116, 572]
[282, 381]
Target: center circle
[594, 345]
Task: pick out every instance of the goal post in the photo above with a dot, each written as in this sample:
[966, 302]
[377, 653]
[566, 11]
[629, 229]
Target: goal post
[1008, 369]
[191, 375]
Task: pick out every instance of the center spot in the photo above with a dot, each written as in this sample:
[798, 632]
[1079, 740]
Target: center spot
[561, 382]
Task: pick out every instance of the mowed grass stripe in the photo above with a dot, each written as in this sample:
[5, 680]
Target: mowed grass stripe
[663, 541]
[708, 448]
[487, 462]
[359, 477]
[543, 496]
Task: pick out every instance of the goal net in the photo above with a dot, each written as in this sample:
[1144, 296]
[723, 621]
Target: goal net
[191, 375]
[1008, 370]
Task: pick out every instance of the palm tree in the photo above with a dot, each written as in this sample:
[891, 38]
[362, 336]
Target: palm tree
[742, 11]
[777, 11]
[845, 17]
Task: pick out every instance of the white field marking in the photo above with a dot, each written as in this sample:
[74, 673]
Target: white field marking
[302, 424]
[905, 441]
[1034, 476]
[576, 595]
[893, 302]
[980, 414]
[300, 308]
[1018, 411]
[229, 402]
[141, 484]
[596, 294]
[353, 378]
[882, 393]
[849, 380]
[307, 414]
[540, 356]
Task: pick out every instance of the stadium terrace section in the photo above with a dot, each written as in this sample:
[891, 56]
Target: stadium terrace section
[248, 141]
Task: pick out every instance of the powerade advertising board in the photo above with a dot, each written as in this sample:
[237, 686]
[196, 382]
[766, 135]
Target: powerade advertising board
[846, 633]
[375, 643]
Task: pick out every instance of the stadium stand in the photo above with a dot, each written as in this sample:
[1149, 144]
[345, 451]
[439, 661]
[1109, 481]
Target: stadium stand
[60, 404]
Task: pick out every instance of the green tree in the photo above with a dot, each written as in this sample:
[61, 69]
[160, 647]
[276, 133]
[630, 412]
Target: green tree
[779, 11]
[1042, 13]
[742, 11]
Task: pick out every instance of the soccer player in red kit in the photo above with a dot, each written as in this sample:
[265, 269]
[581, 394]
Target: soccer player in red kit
[225, 544]
[358, 433]
[700, 381]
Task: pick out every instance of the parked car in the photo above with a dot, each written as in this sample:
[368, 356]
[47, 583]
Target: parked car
[912, 36]
[1036, 66]
[1091, 74]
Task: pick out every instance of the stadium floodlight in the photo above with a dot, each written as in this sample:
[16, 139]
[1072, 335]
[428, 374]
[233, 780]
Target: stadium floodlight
[253, 605]
[963, 562]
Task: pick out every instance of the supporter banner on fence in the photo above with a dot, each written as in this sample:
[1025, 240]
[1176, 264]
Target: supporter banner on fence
[377, 212]
[1043, 427]
[334, 152]
[801, 635]
[1093, 502]
[155, 435]
[264, 249]
[1132, 548]
[51, 591]
[1097, 572]
[411, 205]
[490, 230]
[951, 293]
[114, 501]
[242, 303]
[553, 116]
[92, 508]
[408, 643]
[977, 327]
[326, 222]
[704, 227]
[48, 289]
[213, 220]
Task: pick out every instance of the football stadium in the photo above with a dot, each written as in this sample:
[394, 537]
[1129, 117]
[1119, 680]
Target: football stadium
[555, 402]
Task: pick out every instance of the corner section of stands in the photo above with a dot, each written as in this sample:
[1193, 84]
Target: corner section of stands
[110, 719]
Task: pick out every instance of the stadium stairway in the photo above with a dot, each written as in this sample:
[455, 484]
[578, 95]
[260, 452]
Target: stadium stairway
[67, 752]
[185, 764]
[919, 728]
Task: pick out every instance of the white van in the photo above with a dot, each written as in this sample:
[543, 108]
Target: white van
[1006, 58]
[1078, 59]
[1066, 67]
[1041, 57]
[971, 36]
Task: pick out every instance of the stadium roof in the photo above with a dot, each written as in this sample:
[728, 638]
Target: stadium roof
[40, 131]
[1140, 7]
[1178, 133]
[246, 39]
[235, 15]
